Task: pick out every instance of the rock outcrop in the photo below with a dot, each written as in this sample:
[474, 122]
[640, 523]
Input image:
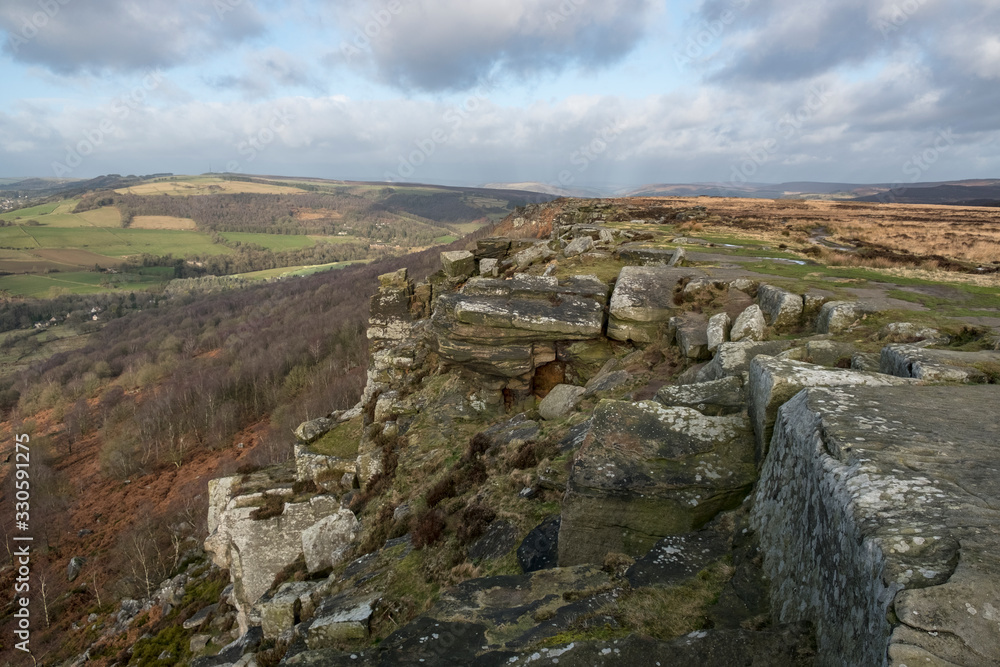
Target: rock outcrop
[877, 510]
[646, 471]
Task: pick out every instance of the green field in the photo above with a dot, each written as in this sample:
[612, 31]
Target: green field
[290, 271]
[112, 242]
[75, 282]
[34, 211]
[276, 242]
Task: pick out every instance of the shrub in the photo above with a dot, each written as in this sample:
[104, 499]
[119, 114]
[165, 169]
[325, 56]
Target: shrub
[473, 522]
[445, 488]
[428, 528]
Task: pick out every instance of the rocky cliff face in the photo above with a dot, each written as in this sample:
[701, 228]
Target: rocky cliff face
[610, 446]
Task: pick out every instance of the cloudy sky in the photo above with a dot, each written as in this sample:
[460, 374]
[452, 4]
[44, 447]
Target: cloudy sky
[565, 92]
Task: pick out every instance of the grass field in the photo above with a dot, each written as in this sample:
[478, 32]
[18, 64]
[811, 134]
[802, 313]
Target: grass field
[205, 185]
[75, 282]
[111, 242]
[26, 213]
[290, 271]
[162, 222]
[274, 242]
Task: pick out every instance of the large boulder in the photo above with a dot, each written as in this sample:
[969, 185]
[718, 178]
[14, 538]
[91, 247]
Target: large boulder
[540, 548]
[311, 431]
[646, 471]
[344, 618]
[458, 263]
[578, 246]
[876, 512]
[507, 328]
[712, 399]
[773, 381]
[560, 401]
[781, 308]
[718, 331]
[325, 543]
[930, 365]
[643, 302]
[749, 325]
[282, 611]
[692, 336]
[733, 359]
[255, 550]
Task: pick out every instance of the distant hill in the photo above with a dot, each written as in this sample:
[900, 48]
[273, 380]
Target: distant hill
[982, 194]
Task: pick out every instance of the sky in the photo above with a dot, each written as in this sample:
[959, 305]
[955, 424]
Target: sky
[570, 93]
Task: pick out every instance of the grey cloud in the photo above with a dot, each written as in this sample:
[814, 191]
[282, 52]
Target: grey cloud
[268, 71]
[72, 36]
[453, 44]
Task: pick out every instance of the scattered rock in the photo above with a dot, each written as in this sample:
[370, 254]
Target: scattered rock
[74, 567]
[201, 617]
[499, 539]
[488, 268]
[540, 549]
[749, 325]
[676, 558]
[692, 336]
[458, 263]
[907, 332]
[578, 246]
[513, 432]
[282, 611]
[781, 308]
[345, 617]
[837, 316]
[718, 331]
[712, 399]
[559, 402]
[311, 431]
[733, 359]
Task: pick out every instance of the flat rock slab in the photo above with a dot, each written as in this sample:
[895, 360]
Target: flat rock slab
[677, 558]
[913, 361]
[713, 399]
[886, 498]
[733, 359]
[789, 647]
[646, 471]
[773, 381]
[643, 301]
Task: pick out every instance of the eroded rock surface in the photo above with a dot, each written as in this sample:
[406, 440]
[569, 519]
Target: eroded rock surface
[878, 514]
[646, 471]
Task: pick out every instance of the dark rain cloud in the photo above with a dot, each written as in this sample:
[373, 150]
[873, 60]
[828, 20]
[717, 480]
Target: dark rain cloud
[73, 36]
[453, 44]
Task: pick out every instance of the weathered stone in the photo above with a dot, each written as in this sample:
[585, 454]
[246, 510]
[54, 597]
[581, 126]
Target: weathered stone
[540, 549]
[458, 263]
[930, 365]
[255, 550]
[829, 352]
[488, 268]
[201, 617]
[837, 316]
[790, 646]
[536, 253]
[677, 257]
[643, 302]
[513, 432]
[774, 381]
[877, 511]
[282, 612]
[718, 331]
[498, 540]
[389, 314]
[712, 399]
[325, 542]
[198, 643]
[733, 359]
[607, 382]
[749, 325]
[861, 361]
[492, 248]
[676, 558]
[562, 400]
[606, 236]
[646, 471]
[311, 466]
[644, 255]
[311, 431]
[781, 308]
[692, 336]
[74, 567]
[578, 246]
[907, 332]
[346, 617]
